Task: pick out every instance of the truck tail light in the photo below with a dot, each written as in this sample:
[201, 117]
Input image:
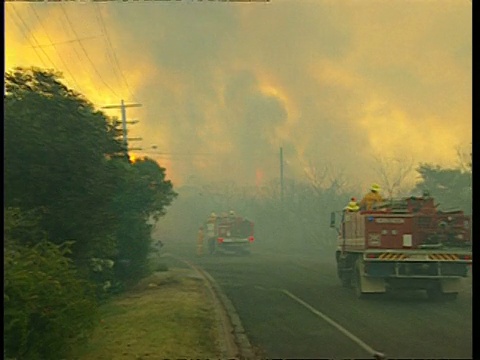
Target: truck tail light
[251, 238]
[220, 240]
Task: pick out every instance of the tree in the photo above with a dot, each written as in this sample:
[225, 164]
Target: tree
[57, 158]
[142, 194]
[464, 159]
[452, 188]
[65, 164]
[392, 173]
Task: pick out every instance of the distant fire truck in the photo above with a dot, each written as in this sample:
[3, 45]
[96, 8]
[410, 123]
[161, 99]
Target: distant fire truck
[404, 244]
[229, 233]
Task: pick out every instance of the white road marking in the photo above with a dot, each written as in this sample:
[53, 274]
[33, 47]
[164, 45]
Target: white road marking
[376, 354]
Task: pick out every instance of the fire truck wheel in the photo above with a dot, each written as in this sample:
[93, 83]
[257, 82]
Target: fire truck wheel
[435, 293]
[357, 287]
[344, 276]
[450, 296]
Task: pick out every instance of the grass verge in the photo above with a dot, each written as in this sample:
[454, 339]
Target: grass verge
[168, 315]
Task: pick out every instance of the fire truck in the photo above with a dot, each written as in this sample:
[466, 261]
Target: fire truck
[232, 233]
[404, 244]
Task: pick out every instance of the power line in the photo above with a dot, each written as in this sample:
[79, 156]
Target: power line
[66, 42]
[110, 47]
[85, 52]
[176, 154]
[63, 25]
[28, 38]
[58, 53]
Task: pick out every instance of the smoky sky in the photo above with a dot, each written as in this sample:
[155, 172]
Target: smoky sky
[225, 85]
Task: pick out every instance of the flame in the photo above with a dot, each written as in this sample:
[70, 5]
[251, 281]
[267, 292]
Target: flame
[134, 158]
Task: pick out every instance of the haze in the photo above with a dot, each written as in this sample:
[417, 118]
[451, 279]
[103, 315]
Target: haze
[225, 85]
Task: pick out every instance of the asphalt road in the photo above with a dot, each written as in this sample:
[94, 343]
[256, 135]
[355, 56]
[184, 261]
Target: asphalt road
[292, 305]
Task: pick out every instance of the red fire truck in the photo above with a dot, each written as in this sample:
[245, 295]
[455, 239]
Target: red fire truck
[404, 244]
[230, 234]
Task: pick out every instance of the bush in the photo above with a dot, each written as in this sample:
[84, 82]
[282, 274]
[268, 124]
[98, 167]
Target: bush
[47, 308]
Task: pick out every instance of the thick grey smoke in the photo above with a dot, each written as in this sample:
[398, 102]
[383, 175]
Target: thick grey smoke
[225, 85]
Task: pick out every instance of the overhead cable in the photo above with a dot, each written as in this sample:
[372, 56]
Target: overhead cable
[110, 47]
[28, 37]
[66, 41]
[58, 53]
[85, 52]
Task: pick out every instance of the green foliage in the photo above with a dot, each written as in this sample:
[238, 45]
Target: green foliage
[134, 246]
[66, 178]
[63, 165]
[154, 192]
[451, 188]
[47, 309]
[143, 194]
[57, 148]
[23, 226]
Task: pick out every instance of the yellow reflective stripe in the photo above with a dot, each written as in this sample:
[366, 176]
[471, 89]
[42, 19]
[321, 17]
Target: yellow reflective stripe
[402, 256]
[389, 256]
[443, 256]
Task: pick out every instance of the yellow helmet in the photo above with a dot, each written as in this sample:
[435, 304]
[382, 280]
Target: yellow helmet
[375, 187]
[352, 206]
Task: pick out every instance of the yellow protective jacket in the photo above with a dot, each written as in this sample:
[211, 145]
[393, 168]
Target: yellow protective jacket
[369, 200]
[200, 236]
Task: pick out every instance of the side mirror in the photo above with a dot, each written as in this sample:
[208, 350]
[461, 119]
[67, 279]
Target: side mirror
[332, 220]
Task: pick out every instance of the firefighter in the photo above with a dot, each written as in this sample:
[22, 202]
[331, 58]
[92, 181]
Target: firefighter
[352, 206]
[372, 198]
[210, 232]
[200, 237]
[212, 217]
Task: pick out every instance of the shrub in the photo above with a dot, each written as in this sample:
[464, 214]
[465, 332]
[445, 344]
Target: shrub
[47, 308]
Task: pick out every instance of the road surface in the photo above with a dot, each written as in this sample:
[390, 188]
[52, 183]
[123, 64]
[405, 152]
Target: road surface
[292, 305]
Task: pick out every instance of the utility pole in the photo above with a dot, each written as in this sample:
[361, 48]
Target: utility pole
[281, 174]
[125, 139]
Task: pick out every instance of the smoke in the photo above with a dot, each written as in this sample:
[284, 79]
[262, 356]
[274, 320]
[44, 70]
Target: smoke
[224, 85]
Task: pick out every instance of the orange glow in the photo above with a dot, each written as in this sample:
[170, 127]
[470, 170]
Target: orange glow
[94, 77]
[259, 177]
[271, 86]
[387, 95]
[134, 158]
